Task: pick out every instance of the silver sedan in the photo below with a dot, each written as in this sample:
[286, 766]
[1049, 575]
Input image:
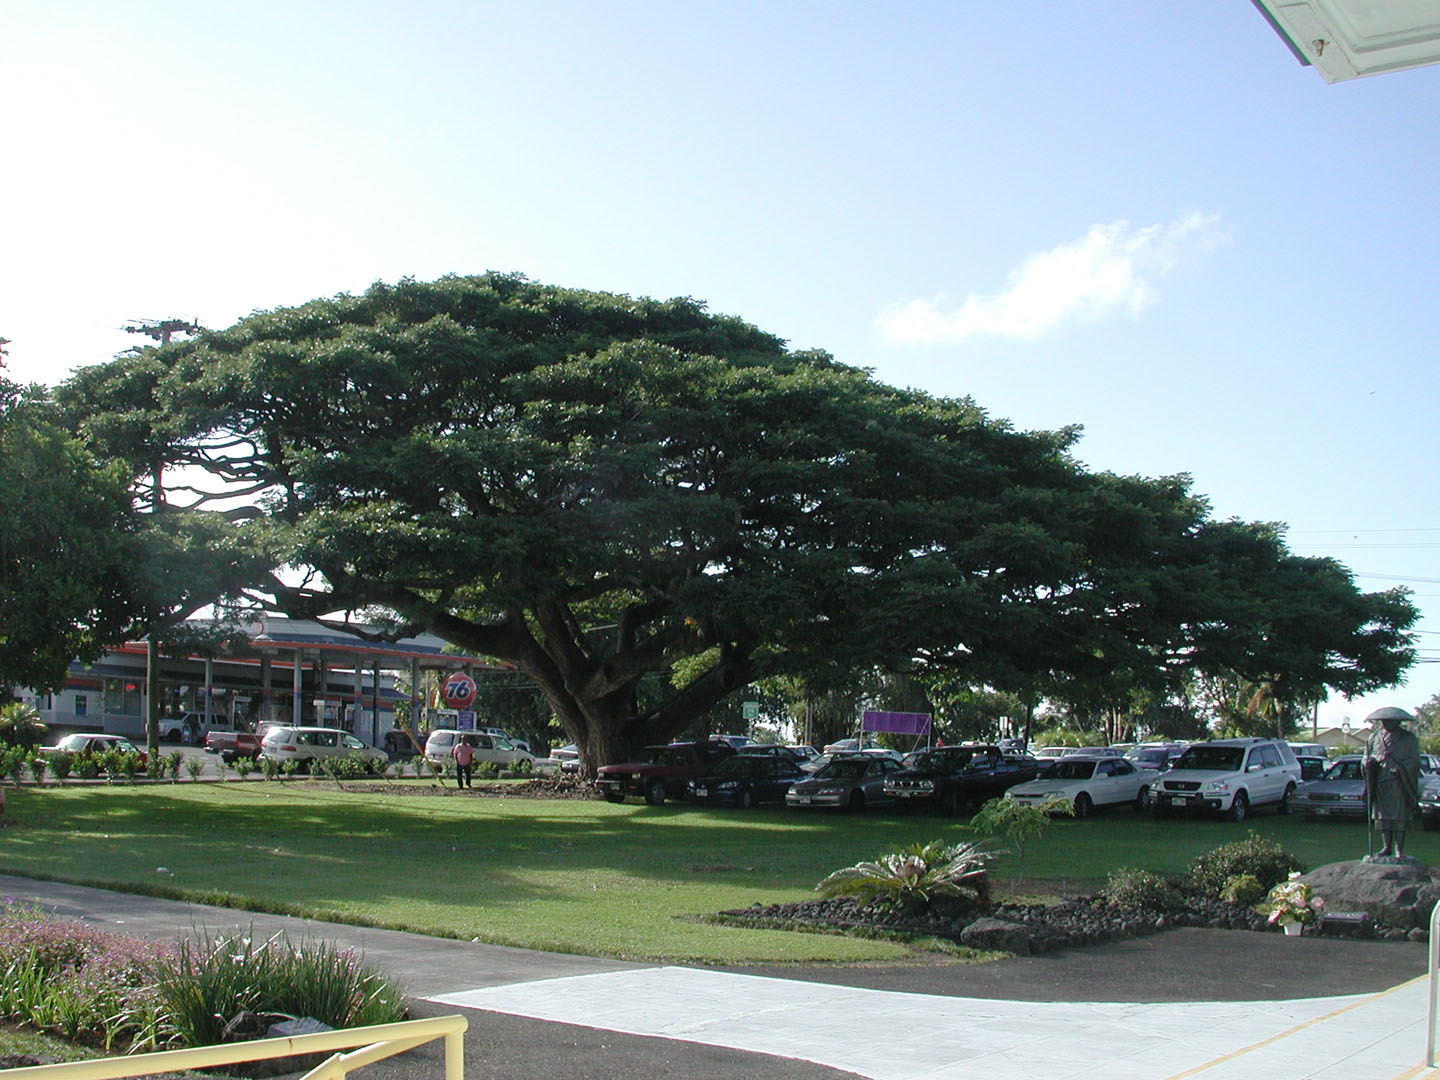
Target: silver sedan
[846, 783]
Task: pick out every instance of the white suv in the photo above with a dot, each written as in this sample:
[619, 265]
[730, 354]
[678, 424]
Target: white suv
[308, 745]
[1228, 777]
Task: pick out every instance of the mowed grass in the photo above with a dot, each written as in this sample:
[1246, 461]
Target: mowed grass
[576, 876]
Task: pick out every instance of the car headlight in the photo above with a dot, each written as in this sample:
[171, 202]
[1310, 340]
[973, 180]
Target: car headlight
[1353, 798]
[829, 791]
[926, 785]
[1218, 785]
[727, 785]
[637, 776]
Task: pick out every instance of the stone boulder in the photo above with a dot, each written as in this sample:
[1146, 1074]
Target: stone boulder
[1400, 895]
[998, 935]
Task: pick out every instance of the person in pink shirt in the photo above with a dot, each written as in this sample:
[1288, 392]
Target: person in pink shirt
[464, 755]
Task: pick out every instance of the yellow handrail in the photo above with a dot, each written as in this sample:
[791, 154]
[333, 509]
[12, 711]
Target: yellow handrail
[375, 1043]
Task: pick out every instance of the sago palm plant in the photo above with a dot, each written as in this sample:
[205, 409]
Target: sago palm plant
[916, 875]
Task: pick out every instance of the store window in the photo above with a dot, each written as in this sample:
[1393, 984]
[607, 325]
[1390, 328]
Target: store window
[122, 697]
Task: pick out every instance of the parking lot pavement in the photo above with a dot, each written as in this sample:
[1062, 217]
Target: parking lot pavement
[1203, 1003]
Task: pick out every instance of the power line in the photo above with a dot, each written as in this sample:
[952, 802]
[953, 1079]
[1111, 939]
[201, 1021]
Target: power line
[1356, 532]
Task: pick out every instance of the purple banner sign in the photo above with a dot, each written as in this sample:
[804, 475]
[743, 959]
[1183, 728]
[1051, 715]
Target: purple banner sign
[901, 723]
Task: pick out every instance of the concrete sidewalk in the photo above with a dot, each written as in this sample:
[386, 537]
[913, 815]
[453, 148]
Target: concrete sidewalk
[1208, 1004]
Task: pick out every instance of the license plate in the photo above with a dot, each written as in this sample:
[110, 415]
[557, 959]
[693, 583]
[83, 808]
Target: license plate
[1322, 810]
[702, 792]
[802, 800]
[1175, 800]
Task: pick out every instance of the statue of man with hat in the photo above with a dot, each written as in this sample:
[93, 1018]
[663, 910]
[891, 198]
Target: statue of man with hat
[1392, 777]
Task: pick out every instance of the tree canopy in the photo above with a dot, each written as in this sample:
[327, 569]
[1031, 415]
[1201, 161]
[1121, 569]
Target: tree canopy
[65, 546]
[604, 490]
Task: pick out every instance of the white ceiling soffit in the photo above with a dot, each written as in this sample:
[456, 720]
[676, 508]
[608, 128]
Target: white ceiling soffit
[1345, 39]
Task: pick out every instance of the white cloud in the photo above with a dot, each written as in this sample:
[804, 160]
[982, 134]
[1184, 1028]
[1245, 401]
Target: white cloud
[1110, 270]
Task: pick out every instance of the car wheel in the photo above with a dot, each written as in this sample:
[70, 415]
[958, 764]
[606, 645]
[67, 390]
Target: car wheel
[1083, 805]
[1142, 798]
[857, 800]
[746, 799]
[655, 792]
[1240, 807]
[1284, 807]
[614, 796]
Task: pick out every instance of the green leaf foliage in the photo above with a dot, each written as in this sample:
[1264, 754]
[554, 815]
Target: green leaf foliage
[600, 489]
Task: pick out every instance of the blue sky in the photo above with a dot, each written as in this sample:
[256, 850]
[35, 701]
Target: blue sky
[1144, 218]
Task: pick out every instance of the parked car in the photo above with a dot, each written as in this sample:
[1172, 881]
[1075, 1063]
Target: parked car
[948, 778]
[1229, 777]
[1430, 800]
[245, 744]
[1156, 756]
[806, 755]
[787, 753]
[1429, 763]
[1053, 751]
[492, 749]
[843, 746]
[501, 733]
[735, 742]
[568, 756]
[307, 745]
[1088, 783]
[746, 779]
[883, 752]
[661, 772]
[1311, 767]
[92, 742]
[846, 783]
[1339, 792]
[187, 728]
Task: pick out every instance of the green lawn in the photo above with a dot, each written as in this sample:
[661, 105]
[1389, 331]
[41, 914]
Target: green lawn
[562, 875]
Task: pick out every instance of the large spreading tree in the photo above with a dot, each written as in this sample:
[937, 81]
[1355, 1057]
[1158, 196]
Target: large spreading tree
[607, 491]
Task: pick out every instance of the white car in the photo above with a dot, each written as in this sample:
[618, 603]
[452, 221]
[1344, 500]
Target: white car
[1228, 777]
[1088, 782]
[495, 749]
[308, 745]
[521, 744]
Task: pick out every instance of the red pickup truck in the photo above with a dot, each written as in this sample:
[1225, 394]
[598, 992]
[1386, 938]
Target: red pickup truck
[233, 745]
[659, 771]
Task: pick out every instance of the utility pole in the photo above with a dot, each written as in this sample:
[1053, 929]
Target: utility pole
[160, 330]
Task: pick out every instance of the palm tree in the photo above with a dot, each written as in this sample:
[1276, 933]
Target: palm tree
[20, 724]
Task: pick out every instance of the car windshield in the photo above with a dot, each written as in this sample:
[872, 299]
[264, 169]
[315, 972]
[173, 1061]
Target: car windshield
[1149, 757]
[1345, 770]
[1211, 758]
[1075, 769]
[844, 769]
[950, 757]
[742, 765]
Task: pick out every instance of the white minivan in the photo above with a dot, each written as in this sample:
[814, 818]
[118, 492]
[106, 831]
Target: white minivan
[1228, 777]
[495, 749]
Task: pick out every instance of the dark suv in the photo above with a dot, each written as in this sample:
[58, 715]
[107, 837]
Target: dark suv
[949, 778]
[658, 771]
